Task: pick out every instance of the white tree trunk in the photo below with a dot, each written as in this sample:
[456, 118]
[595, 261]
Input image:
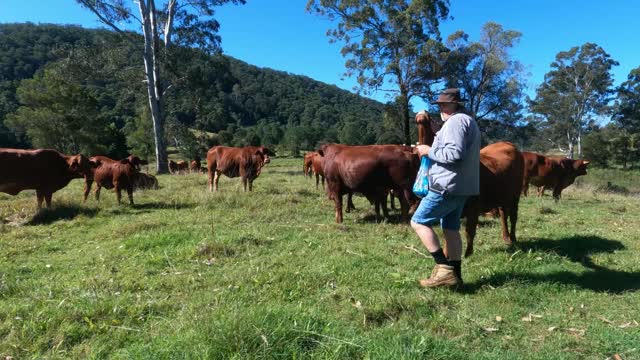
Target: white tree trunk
[152, 72]
[579, 144]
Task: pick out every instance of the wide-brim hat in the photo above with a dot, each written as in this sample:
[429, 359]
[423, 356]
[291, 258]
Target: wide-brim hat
[450, 96]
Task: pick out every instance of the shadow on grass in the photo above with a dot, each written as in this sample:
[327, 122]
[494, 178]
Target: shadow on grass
[61, 212]
[577, 249]
[371, 217]
[161, 205]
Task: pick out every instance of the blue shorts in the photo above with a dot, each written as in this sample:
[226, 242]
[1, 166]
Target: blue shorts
[445, 209]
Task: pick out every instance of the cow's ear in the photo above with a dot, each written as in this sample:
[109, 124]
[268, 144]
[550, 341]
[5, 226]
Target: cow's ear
[125, 161]
[320, 152]
[75, 162]
[94, 164]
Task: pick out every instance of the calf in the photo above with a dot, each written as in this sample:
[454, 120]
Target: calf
[194, 165]
[245, 162]
[178, 167]
[316, 166]
[145, 181]
[43, 170]
[369, 170]
[101, 160]
[116, 175]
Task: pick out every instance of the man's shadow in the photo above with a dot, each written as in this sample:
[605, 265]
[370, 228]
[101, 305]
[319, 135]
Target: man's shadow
[577, 249]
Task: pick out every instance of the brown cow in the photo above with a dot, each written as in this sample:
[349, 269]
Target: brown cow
[145, 181]
[43, 170]
[195, 165]
[501, 179]
[116, 175]
[370, 170]
[100, 160]
[316, 166]
[178, 167]
[246, 162]
[307, 163]
[556, 173]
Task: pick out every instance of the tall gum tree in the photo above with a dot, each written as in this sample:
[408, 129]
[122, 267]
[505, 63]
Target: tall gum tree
[390, 46]
[187, 23]
[576, 91]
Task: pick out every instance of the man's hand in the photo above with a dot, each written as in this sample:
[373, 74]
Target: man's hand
[422, 150]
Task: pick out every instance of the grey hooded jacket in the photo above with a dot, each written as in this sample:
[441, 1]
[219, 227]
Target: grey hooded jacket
[455, 155]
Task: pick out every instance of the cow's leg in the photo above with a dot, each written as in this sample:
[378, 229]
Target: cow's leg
[540, 191]
[216, 178]
[210, 173]
[393, 199]
[404, 206]
[118, 190]
[244, 183]
[250, 184]
[318, 181]
[513, 216]
[525, 188]
[87, 187]
[98, 188]
[338, 200]
[39, 198]
[470, 229]
[130, 194]
[557, 191]
[47, 199]
[504, 213]
[350, 205]
[322, 176]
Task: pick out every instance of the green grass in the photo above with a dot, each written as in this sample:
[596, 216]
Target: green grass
[189, 274]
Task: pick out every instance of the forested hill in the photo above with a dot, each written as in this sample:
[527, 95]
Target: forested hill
[101, 77]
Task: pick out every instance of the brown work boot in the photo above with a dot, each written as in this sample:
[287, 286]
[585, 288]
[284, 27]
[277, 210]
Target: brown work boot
[442, 275]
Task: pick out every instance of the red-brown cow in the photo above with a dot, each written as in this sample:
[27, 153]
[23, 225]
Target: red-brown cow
[246, 162]
[316, 167]
[556, 173]
[116, 175]
[178, 167]
[100, 160]
[43, 170]
[501, 179]
[194, 165]
[145, 181]
[307, 163]
[371, 171]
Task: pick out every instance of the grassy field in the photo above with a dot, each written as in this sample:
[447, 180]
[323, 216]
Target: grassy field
[189, 274]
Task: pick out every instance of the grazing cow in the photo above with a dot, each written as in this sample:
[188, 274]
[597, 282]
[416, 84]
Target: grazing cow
[246, 162]
[307, 163]
[370, 170]
[144, 181]
[195, 165]
[501, 179]
[556, 173]
[316, 166]
[178, 167]
[43, 170]
[100, 160]
[116, 175]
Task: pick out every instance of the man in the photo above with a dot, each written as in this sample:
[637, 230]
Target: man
[454, 176]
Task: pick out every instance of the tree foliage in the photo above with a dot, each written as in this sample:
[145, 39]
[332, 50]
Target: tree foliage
[491, 80]
[575, 93]
[627, 113]
[389, 46]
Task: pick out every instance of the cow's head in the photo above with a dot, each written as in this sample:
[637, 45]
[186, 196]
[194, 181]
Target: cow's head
[136, 161]
[571, 169]
[264, 153]
[80, 165]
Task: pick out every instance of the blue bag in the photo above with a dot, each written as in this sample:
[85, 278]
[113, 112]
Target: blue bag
[421, 185]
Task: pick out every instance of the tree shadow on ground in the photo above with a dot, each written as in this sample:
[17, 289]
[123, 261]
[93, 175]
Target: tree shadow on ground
[60, 212]
[370, 217]
[162, 205]
[577, 249]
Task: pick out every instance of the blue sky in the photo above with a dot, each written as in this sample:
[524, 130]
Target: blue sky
[279, 34]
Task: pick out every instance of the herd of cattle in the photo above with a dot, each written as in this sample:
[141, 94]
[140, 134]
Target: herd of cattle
[374, 171]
